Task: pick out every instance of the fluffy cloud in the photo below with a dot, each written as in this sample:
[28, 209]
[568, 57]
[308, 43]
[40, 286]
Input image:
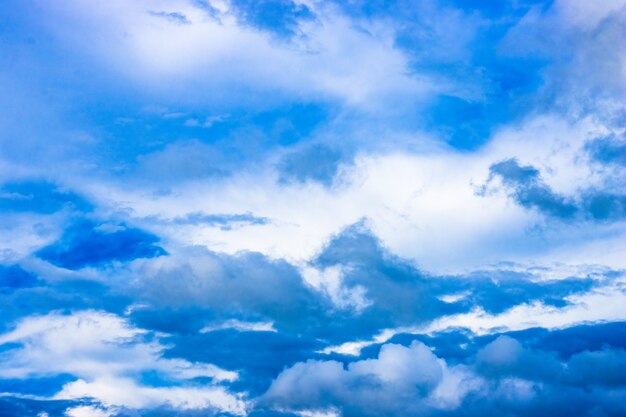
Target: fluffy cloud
[247, 285]
[502, 375]
[107, 355]
[400, 380]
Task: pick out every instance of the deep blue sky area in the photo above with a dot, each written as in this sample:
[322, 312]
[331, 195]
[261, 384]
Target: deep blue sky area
[305, 208]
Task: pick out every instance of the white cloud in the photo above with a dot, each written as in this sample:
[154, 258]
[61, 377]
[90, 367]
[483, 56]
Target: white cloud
[397, 379]
[412, 366]
[423, 205]
[88, 411]
[242, 326]
[91, 344]
[106, 353]
[354, 348]
[328, 281]
[456, 383]
[601, 305]
[331, 56]
[23, 233]
[127, 393]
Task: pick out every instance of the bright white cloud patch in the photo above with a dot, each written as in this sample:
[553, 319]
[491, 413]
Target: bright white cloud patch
[242, 326]
[107, 354]
[127, 393]
[398, 373]
[602, 305]
[330, 57]
[87, 411]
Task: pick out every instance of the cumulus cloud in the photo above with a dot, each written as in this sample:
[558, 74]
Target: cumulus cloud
[87, 411]
[400, 380]
[246, 286]
[503, 374]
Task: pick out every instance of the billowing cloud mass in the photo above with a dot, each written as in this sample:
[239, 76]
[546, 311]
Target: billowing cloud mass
[286, 208]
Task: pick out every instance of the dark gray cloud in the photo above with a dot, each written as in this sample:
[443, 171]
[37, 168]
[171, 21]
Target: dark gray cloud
[527, 188]
[246, 285]
[403, 294]
[394, 383]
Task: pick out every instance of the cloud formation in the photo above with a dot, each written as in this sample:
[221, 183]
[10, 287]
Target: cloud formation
[106, 356]
[288, 208]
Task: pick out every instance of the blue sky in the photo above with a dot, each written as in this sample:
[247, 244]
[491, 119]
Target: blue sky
[286, 208]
